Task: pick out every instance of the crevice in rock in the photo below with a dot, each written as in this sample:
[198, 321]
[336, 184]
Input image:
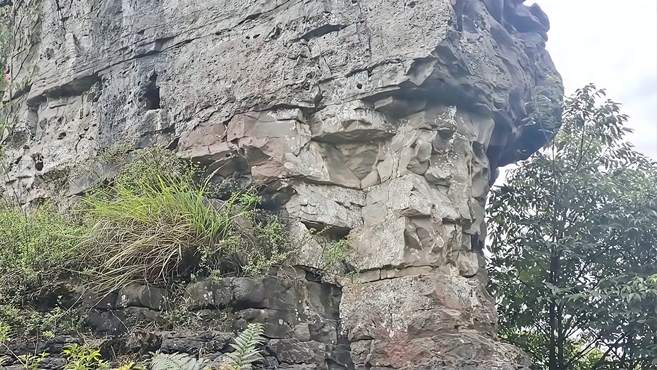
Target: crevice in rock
[74, 87]
[322, 30]
[37, 158]
[150, 95]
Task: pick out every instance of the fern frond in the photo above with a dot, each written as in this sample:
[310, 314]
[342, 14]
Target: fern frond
[177, 361]
[246, 351]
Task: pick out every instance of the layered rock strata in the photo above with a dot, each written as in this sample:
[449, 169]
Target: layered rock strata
[381, 122]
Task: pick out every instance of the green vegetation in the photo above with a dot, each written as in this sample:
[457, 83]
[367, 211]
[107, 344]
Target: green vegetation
[37, 253]
[574, 243]
[245, 349]
[156, 220]
[245, 353]
[23, 318]
[148, 222]
[335, 253]
[32, 362]
[27, 361]
[84, 357]
[37, 248]
[155, 223]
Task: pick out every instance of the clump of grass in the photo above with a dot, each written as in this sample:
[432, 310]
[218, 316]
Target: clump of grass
[155, 222]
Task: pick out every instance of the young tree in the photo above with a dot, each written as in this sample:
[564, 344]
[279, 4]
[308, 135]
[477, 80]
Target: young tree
[574, 245]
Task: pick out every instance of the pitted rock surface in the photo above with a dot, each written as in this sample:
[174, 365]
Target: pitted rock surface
[379, 121]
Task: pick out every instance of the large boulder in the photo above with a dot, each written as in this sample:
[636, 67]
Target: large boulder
[381, 122]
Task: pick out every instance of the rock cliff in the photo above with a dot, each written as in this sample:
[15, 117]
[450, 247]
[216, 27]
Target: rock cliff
[381, 122]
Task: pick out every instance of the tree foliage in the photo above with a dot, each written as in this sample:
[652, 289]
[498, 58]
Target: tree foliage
[574, 240]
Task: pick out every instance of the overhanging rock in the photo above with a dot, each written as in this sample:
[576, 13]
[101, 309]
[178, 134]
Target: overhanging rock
[382, 121]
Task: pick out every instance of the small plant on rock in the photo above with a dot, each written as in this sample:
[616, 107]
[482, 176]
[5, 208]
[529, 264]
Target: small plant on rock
[335, 253]
[27, 361]
[32, 362]
[84, 357]
[246, 349]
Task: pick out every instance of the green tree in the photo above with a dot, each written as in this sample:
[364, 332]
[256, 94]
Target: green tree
[574, 241]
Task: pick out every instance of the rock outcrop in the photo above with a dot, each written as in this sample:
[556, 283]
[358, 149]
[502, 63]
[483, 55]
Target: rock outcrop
[381, 122]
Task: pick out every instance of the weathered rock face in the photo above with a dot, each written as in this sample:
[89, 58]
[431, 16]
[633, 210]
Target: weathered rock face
[382, 121]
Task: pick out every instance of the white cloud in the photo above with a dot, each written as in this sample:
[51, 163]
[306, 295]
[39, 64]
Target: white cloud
[614, 45]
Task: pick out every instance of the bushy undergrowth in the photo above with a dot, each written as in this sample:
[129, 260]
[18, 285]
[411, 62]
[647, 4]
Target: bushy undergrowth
[37, 252]
[154, 223]
[36, 248]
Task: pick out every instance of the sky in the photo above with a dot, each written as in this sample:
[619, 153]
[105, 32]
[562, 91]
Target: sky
[613, 44]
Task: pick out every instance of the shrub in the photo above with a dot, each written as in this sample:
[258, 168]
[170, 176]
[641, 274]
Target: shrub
[83, 357]
[335, 253]
[38, 250]
[22, 319]
[35, 248]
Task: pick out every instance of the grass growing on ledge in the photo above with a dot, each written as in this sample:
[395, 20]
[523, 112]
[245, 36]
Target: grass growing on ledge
[156, 222]
[145, 233]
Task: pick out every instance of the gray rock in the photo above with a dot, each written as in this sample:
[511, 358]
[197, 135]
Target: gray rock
[277, 323]
[383, 123]
[51, 362]
[209, 294]
[459, 350]
[416, 306]
[293, 351]
[135, 295]
[194, 342]
[248, 293]
[105, 322]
